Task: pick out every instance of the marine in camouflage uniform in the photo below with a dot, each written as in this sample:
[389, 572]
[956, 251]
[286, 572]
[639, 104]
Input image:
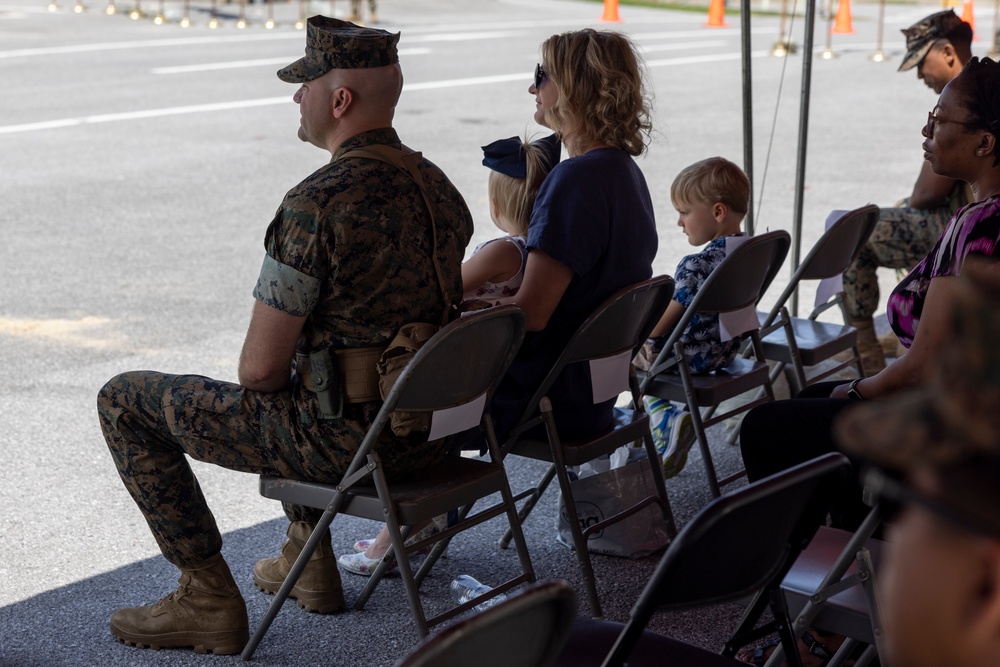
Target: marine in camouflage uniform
[937, 46]
[902, 237]
[349, 250]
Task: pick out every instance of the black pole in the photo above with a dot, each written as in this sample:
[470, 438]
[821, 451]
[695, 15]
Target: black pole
[800, 170]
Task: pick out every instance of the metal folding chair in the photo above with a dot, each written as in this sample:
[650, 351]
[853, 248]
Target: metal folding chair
[832, 587]
[460, 366]
[538, 619]
[738, 546]
[737, 283]
[813, 341]
[617, 328]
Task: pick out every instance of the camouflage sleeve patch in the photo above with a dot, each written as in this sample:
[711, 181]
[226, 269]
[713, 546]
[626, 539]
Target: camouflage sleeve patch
[285, 288]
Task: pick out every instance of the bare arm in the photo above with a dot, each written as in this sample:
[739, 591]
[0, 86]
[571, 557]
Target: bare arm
[494, 263]
[671, 316]
[545, 282]
[910, 369]
[931, 190]
[266, 359]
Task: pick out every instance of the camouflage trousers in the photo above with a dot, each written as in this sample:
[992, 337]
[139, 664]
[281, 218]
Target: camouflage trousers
[902, 237]
[152, 422]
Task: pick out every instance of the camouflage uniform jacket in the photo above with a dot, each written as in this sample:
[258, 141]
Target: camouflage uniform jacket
[349, 249]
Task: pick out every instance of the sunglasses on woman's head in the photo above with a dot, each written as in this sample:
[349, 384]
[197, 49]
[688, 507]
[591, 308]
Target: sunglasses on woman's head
[541, 76]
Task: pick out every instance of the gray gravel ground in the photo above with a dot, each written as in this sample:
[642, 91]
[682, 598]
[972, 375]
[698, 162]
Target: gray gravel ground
[139, 167]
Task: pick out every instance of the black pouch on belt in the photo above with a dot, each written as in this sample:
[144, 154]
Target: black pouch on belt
[327, 385]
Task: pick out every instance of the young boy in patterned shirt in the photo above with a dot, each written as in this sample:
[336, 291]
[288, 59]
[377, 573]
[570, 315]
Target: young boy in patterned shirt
[711, 198]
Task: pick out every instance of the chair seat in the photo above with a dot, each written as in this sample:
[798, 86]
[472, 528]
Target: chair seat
[627, 427]
[739, 377]
[429, 494]
[591, 640]
[846, 613]
[817, 341]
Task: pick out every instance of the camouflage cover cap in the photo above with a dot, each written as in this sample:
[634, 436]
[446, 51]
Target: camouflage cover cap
[955, 416]
[335, 44]
[920, 36]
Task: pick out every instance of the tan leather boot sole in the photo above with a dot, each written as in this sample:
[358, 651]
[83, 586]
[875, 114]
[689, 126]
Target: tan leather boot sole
[269, 574]
[162, 626]
[219, 643]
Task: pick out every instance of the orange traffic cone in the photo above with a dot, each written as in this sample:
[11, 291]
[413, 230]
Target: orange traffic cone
[842, 24]
[611, 11]
[968, 16]
[716, 14]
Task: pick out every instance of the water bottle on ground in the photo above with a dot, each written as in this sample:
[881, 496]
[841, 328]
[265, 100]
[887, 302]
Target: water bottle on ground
[466, 588]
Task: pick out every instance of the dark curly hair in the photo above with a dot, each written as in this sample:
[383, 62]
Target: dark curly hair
[978, 86]
[602, 95]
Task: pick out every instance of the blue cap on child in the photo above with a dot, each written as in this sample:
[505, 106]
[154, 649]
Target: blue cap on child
[507, 155]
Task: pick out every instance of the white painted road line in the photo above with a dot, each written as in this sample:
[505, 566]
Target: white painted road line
[286, 99]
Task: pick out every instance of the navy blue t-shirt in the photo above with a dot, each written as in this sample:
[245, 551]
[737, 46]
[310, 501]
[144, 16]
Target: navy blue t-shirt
[593, 214]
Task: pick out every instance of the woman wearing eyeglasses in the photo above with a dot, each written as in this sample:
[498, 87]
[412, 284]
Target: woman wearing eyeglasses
[961, 141]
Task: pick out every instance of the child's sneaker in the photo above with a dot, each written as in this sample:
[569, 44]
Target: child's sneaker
[673, 433]
[682, 436]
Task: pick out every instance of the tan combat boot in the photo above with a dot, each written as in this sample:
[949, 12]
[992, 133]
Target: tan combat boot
[206, 613]
[872, 357]
[318, 588]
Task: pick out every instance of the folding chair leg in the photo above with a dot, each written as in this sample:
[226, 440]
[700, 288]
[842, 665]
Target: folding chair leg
[438, 549]
[529, 504]
[706, 453]
[387, 560]
[286, 587]
[579, 544]
[660, 485]
[699, 426]
[399, 549]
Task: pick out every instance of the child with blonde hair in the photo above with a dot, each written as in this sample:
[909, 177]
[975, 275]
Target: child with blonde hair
[496, 267]
[711, 198]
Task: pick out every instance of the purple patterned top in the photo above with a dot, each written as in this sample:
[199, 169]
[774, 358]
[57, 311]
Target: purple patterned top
[973, 229]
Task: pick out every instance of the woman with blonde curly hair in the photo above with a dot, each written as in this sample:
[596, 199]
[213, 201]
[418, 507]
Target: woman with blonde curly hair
[592, 229]
[600, 98]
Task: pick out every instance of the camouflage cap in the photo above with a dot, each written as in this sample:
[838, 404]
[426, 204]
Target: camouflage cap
[920, 36]
[955, 416]
[335, 44]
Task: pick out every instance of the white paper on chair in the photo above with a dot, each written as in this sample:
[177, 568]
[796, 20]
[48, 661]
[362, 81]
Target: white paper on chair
[609, 376]
[734, 323]
[828, 287]
[457, 419]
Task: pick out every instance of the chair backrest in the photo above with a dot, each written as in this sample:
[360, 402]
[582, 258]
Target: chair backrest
[460, 362]
[623, 322]
[740, 543]
[832, 253]
[741, 540]
[527, 630]
[463, 360]
[739, 281]
[839, 245]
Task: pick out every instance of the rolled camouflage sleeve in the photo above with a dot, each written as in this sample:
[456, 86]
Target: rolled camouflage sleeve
[286, 288]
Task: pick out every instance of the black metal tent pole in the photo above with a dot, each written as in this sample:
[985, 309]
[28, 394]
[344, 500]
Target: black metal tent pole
[747, 108]
[800, 164]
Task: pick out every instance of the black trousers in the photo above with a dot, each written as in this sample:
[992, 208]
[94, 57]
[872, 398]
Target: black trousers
[778, 435]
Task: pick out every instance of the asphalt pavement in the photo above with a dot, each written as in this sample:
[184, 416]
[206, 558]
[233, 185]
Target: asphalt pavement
[139, 167]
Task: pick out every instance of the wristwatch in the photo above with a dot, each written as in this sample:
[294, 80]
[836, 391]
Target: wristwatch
[852, 391]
